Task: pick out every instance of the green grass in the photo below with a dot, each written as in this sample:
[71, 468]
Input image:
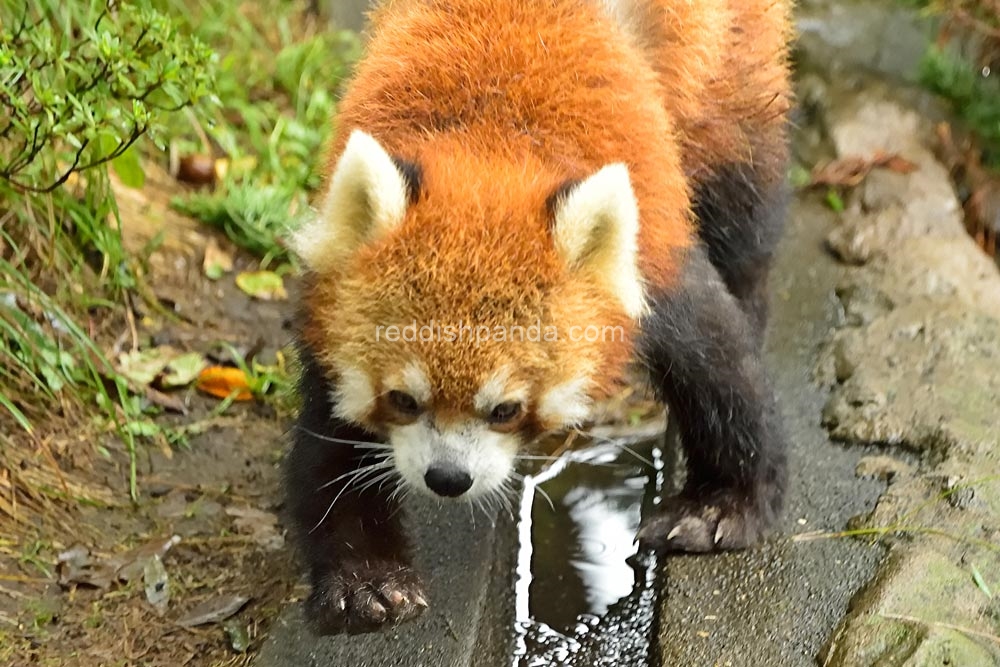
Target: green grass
[50, 364]
[80, 87]
[975, 98]
[907, 524]
[84, 90]
[277, 81]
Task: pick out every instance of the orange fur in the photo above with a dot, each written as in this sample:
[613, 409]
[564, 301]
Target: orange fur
[502, 101]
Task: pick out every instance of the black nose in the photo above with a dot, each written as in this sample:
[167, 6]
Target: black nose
[447, 480]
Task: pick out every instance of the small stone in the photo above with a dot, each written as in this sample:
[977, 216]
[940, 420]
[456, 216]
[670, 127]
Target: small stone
[882, 467]
[965, 498]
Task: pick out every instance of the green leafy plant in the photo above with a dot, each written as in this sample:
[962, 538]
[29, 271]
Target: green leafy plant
[80, 85]
[277, 81]
[975, 97]
[964, 65]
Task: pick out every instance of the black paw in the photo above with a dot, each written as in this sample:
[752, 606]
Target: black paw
[367, 598]
[718, 521]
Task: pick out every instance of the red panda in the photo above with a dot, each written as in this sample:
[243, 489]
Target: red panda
[577, 165]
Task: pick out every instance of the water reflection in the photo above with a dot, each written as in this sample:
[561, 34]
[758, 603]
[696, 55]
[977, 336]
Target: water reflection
[573, 572]
[606, 521]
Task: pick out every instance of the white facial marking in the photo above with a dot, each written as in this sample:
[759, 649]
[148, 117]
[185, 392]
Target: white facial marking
[415, 380]
[567, 404]
[354, 395]
[487, 456]
[596, 231]
[367, 197]
[496, 390]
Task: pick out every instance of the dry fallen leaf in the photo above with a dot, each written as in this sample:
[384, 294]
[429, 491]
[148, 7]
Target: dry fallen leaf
[143, 367]
[213, 610]
[132, 564]
[182, 370]
[260, 525]
[225, 381]
[75, 566]
[163, 367]
[217, 261]
[850, 171]
[78, 566]
[263, 285]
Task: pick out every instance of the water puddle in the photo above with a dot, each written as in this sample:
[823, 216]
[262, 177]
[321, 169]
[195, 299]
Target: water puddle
[583, 598]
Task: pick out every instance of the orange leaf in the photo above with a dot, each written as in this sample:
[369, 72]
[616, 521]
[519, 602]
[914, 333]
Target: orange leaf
[223, 381]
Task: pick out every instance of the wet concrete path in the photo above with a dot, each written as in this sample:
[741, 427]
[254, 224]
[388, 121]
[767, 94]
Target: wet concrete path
[778, 604]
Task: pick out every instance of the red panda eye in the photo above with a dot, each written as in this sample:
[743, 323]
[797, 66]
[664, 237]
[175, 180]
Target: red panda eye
[505, 412]
[403, 402]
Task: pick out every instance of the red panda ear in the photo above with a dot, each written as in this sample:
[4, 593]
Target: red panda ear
[595, 230]
[367, 196]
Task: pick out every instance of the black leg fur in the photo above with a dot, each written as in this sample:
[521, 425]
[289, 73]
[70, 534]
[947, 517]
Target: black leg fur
[702, 356]
[351, 539]
[740, 222]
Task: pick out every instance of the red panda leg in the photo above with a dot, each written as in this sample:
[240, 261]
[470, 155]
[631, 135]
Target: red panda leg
[703, 359]
[740, 220]
[351, 538]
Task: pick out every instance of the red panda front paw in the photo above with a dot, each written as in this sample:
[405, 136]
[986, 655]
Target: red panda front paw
[720, 521]
[365, 597]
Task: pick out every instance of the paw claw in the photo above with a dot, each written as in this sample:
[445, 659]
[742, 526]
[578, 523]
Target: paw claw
[720, 521]
[365, 598]
[377, 612]
[393, 596]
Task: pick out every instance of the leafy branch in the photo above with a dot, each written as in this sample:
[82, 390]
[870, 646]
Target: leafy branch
[78, 89]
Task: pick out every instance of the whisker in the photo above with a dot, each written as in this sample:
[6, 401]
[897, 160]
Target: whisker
[488, 510]
[381, 465]
[379, 480]
[507, 493]
[574, 459]
[540, 490]
[400, 493]
[342, 441]
[621, 445]
[356, 475]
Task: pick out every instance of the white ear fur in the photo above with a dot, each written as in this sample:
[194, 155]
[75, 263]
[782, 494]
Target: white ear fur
[596, 230]
[367, 197]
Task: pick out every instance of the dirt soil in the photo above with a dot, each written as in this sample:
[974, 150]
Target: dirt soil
[219, 494]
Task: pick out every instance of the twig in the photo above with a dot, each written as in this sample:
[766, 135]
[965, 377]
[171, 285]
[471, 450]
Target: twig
[947, 626]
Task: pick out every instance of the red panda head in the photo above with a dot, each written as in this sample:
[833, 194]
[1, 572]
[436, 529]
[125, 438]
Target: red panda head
[466, 304]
